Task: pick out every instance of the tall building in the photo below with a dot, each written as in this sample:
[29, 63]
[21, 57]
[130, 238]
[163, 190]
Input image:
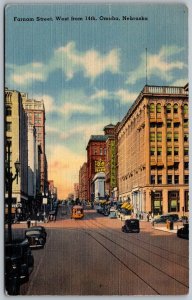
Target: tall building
[83, 182]
[96, 157]
[36, 117]
[16, 134]
[153, 151]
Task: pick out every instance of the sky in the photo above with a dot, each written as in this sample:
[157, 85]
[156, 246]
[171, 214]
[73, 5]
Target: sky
[89, 72]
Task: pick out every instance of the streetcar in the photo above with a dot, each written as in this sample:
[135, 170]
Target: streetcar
[77, 212]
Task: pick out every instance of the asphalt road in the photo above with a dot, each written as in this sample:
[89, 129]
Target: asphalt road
[93, 257]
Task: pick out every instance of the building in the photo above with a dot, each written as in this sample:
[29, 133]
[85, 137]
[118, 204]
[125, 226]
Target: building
[76, 191]
[36, 117]
[16, 134]
[96, 157]
[153, 151]
[83, 182]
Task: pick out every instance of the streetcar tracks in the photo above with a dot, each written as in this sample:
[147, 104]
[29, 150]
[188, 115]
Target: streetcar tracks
[137, 257]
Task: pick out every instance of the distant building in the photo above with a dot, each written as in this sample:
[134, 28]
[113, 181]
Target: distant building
[16, 134]
[83, 182]
[76, 190]
[153, 151]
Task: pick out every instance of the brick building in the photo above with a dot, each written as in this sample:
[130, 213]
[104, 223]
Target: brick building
[83, 182]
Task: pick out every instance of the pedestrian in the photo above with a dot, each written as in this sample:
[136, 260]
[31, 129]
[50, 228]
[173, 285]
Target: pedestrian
[29, 222]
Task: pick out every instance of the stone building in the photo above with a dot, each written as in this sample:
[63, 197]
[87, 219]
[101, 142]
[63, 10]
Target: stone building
[153, 151]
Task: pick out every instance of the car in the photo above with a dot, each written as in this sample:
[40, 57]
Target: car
[12, 278]
[21, 257]
[131, 225]
[165, 218]
[184, 231]
[36, 236]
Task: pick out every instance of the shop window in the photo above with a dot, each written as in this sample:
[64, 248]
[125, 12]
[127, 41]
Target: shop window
[173, 201]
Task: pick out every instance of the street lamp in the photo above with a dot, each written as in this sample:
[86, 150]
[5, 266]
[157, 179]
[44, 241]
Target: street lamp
[9, 178]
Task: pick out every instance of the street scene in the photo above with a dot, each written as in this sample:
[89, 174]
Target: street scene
[96, 150]
[92, 256]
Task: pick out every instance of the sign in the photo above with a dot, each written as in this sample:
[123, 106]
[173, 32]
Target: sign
[113, 166]
[99, 166]
[44, 200]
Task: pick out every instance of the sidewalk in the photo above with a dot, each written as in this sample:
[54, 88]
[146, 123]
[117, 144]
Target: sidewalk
[164, 228]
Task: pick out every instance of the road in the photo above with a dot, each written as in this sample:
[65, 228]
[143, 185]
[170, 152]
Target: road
[93, 257]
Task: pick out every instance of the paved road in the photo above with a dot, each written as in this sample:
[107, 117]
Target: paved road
[93, 257]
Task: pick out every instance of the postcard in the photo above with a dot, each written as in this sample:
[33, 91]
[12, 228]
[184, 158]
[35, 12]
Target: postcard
[96, 149]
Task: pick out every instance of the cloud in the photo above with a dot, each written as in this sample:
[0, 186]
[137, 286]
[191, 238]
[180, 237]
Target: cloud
[125, 96]
[160, 65]
[49, 102]
[71, 61]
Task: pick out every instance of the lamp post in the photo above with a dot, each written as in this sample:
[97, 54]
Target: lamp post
[9, 178]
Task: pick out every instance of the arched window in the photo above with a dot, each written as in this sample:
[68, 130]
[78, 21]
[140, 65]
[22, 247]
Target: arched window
[168, 109]
[185, 109]
[158, 108]
[175, 108]
[152, 108]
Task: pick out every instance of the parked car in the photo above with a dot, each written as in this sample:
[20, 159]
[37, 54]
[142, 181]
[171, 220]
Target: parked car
[21, 257]
[124, 214]
[131, 225]
[12, 278]
[36, 236]
[165, 218]
[184, 231]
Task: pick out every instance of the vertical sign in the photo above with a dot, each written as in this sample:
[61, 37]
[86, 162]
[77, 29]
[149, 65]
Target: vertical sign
[113, 167]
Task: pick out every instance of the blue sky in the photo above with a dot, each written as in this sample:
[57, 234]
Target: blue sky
[90, 72]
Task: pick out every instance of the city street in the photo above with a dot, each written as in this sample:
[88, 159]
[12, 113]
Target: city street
[93, 257]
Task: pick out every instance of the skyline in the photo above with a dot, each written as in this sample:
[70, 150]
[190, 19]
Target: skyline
[90, 72]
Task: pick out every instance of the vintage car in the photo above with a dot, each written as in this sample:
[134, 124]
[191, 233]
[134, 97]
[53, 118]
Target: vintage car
[12, 278]
[131, 225]
[77, 212]
[21, 257]
[165, 218]
[36, 236]
[184, 231]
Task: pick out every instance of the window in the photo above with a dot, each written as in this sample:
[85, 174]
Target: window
[159, 125]
[152, 151]
[186, 165]
[159, 136]
[175, 108]
[158, 108]
[8, 111]
[8, 126]
[152, 136]
[186, 151]
[176, 125]
[152, 124]
[186, 179]
[168, 109]
[185, 109]
[95, 151]
[169, 151]
[176, 166]
[176, 179]
[176, 136]
[159, 151]
[169, 136]
[159, 179]
[173, 201]
[152, 108]
[176, 151]
[169, 179]
[101, 151]
[185, 123]
[186, 200]
[105, 151]
[168, 124]
[152, 179]
[186, 137]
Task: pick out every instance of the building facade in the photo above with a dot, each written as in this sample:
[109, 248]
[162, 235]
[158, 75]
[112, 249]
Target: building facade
[36, 117]
[153, 151]
[16, 135]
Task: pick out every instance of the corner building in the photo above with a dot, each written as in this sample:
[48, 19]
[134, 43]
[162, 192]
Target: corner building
[153, 151]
